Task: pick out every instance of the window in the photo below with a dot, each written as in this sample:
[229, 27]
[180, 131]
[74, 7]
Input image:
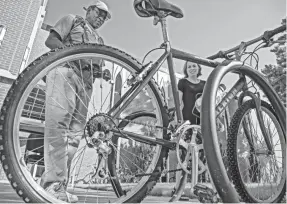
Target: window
[2, 33]
[25, 59]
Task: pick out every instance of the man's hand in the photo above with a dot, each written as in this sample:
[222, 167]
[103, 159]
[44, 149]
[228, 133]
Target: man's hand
[54, 41]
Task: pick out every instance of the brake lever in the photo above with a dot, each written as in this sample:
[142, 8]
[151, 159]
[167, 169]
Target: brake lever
[240, 51]
[271, 42]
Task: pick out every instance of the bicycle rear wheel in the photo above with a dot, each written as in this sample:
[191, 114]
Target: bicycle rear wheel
[248, 158]
[24, 112]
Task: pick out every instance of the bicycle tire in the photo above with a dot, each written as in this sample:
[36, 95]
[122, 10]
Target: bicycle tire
[232, 153]
[12, 167]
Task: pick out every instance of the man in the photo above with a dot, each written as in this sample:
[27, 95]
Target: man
[68, 93]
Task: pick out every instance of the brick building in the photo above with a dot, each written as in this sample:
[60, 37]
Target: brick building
[21, 20]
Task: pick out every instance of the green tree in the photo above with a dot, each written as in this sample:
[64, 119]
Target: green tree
[276, 74]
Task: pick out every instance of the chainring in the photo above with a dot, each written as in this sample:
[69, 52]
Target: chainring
[186, 136]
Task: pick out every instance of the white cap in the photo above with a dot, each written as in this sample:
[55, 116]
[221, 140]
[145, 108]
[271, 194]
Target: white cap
[100, 5]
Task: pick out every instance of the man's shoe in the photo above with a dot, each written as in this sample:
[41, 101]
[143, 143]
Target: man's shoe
[57, 189]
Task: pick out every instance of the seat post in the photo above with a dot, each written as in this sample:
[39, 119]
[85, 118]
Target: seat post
[164, 30]
[162, 19]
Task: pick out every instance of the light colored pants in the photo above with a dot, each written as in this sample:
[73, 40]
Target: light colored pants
[67, 100]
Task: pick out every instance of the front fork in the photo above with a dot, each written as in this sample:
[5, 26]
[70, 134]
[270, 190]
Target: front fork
[259, 114]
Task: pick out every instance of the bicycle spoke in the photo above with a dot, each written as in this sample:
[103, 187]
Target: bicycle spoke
[125, 82]
[63, 108]
[126, 157]
[81, 162]
[76, 94]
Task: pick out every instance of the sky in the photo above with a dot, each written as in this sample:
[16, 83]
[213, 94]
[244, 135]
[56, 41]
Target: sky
[207, 26]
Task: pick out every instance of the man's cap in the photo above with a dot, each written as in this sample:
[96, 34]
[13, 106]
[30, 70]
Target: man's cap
[100, 5]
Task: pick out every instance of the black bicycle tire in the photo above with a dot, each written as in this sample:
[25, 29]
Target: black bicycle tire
[232, 152]
[11, 167]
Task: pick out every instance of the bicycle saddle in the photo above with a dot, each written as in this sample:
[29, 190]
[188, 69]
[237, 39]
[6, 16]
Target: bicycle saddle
[148, 8]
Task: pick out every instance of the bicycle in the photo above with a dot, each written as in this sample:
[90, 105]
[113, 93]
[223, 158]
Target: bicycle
[114, 141]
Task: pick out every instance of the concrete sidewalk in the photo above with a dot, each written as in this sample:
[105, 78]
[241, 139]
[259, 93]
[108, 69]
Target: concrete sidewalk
[160, 189]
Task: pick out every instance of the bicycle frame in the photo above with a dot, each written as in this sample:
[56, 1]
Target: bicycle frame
[128, 97]
[148, 72]
[168, 55]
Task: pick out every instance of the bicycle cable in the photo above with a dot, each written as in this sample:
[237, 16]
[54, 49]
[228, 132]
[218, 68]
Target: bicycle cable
[159, 48]
[254, 55]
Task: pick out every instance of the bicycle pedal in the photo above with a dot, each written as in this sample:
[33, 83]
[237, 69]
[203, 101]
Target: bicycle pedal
[201, 187]
[205, 194]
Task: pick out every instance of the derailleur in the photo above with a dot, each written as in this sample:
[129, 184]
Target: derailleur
[99, 133]
[205, 194]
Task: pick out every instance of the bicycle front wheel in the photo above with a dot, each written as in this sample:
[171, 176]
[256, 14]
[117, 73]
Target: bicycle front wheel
[215, 163]
[258, 176]
[53, 100]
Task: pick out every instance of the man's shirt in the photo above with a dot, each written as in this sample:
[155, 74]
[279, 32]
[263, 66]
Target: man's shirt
[74, 30]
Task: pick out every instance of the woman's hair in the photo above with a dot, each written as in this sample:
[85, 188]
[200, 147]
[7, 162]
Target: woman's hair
[185, 68]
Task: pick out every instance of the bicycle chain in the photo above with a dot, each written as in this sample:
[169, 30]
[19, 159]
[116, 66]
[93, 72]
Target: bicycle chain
[140, 123]
[163, 172]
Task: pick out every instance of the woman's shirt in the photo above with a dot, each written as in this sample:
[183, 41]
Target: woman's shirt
[189, 95]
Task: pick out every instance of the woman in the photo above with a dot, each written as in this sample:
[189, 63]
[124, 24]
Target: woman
[190, 88]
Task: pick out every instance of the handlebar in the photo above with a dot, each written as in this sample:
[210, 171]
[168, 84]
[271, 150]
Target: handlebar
[267, 35]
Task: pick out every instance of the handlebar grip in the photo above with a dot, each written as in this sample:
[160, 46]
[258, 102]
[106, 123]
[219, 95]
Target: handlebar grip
[269, 34]
[278, 30]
